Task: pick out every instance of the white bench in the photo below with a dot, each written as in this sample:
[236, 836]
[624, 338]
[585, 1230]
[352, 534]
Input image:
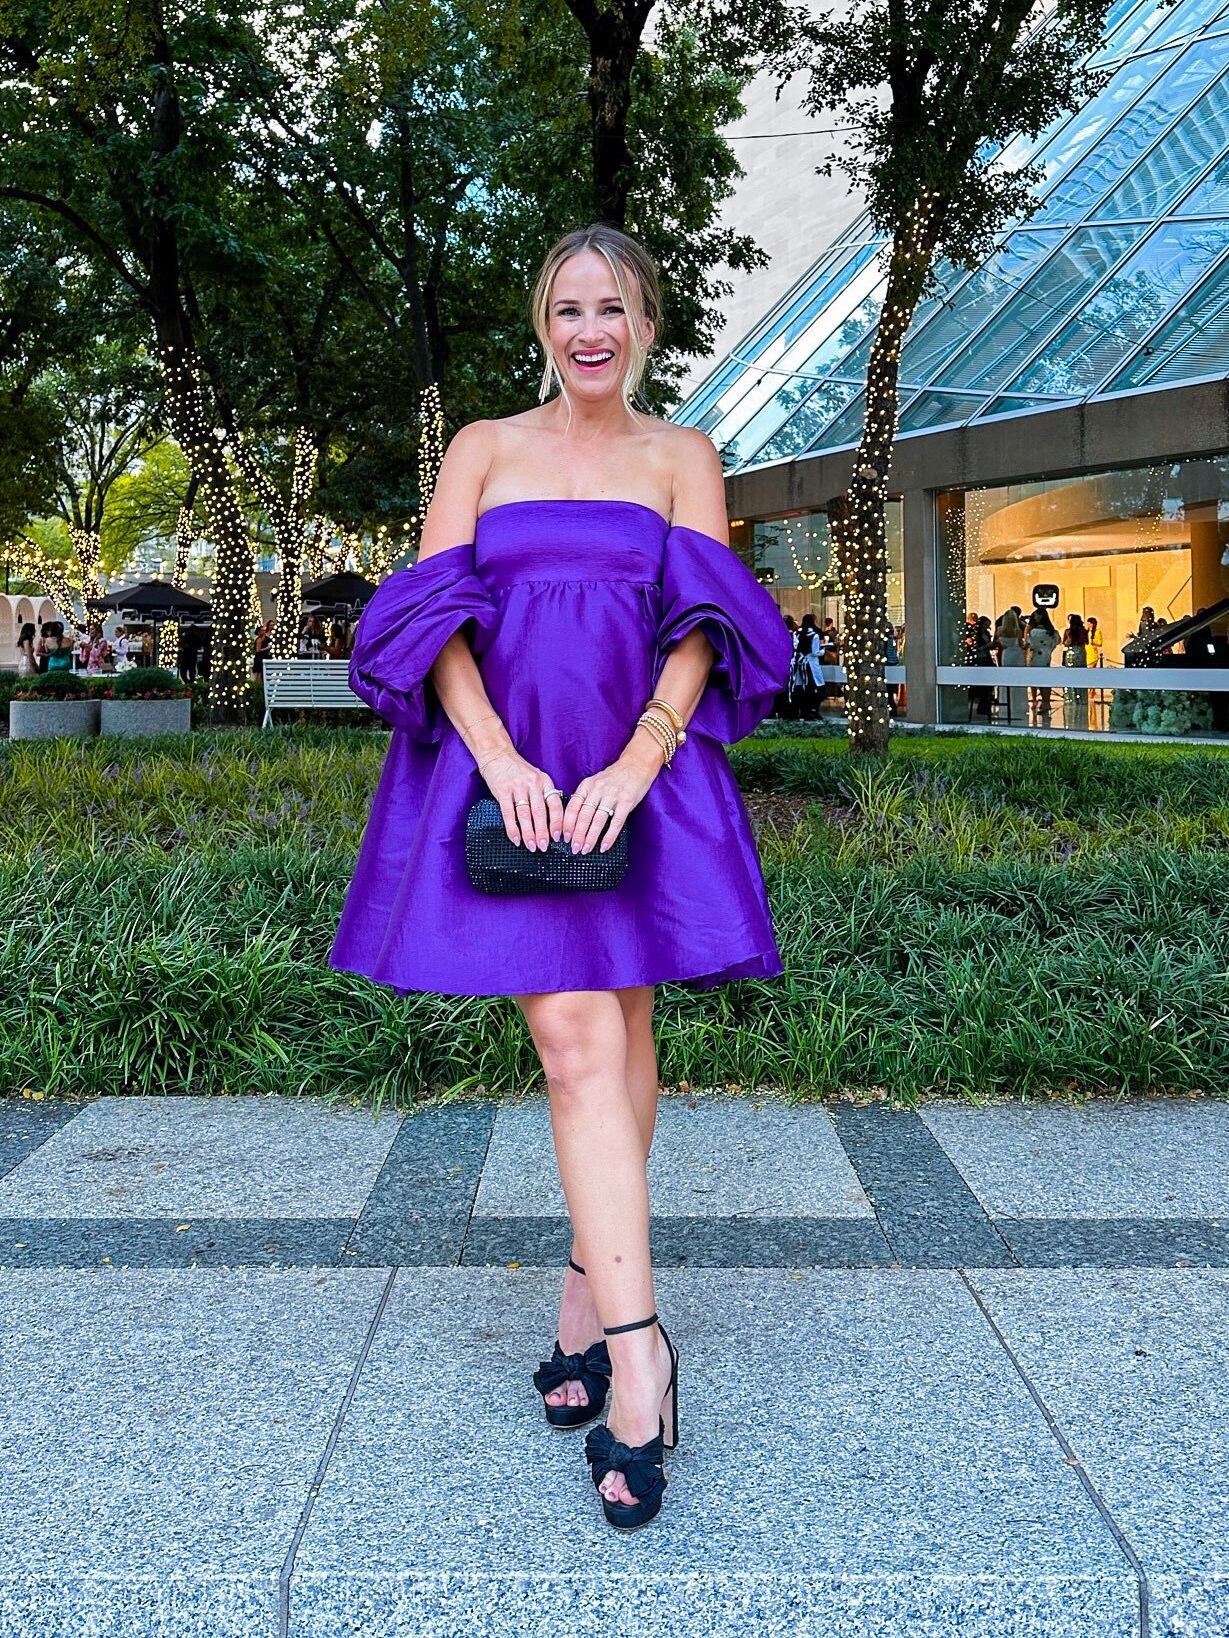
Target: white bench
[308, 685]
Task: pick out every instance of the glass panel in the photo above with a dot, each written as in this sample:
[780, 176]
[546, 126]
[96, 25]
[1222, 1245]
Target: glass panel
[1058, 286]
[784, 395]
[699, 410]
[1015, 404]
[1211, 197]
[806, 422]
[1167, 170]
[1135, 131]
[1126, 552]
[1160, 272]
[846, 429]
[952, 323]
[1194, 343]
[1085, 127]
[844, 320]
[804, 305]
[938, 409]
[1129, 32]
[1185, 19]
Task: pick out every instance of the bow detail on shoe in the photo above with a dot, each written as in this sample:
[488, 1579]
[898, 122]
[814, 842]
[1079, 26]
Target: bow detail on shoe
[591, 1369]
[640, 1465]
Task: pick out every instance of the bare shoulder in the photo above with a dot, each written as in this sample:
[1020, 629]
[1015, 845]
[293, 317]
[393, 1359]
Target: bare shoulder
[697, 482]
[452, 515]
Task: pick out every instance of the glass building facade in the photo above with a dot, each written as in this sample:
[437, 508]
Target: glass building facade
[1114, 289]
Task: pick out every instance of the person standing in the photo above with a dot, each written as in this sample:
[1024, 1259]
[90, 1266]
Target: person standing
[597, 530]
[1041, 641]
[25, 651]
[1075, 654]
[1009, 646]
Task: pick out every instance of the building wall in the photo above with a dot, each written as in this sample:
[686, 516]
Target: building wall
[789, 211]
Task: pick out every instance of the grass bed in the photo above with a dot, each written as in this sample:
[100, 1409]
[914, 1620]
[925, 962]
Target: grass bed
[974, 919]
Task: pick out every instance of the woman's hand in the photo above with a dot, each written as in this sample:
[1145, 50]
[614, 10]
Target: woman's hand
[620, 786]
[531, 817]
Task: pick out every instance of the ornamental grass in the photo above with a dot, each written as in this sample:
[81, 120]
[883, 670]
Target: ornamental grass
[974, 918]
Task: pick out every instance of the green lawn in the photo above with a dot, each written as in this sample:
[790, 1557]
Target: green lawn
[977, 917]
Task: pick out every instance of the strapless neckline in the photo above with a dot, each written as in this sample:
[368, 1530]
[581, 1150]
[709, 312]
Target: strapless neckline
[572, 500]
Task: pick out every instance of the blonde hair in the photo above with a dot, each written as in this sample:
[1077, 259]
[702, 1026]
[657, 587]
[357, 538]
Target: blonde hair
[635, 276]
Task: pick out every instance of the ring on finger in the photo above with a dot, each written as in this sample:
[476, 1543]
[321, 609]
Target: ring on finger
[522, 804]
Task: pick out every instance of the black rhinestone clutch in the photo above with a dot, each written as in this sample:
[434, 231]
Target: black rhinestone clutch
[496, 865]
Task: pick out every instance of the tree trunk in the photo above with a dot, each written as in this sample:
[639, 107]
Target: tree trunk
[232, 579]
[290, 532]
[856, 518]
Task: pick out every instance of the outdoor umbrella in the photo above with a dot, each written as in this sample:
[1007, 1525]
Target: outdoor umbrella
[350, 589]
[155, 601]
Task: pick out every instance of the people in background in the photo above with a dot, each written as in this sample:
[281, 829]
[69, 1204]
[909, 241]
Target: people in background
[312, 638]
[263, 648]
[891, 656]
[1096, 642]
[1009, 649]
[337, 641]
[59, 647]
[25, 651]
[1075, 653]
[1041, 639]
[97, 651]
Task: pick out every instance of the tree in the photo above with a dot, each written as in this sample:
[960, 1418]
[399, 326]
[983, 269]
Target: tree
[929, 90]
[121, 121]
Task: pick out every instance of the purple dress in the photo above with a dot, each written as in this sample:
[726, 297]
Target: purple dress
[570, 607]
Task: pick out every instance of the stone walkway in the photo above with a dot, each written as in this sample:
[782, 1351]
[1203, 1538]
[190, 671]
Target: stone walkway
[265, 1371]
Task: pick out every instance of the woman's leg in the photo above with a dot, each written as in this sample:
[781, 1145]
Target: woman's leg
[582, 1040]
[578, 1321]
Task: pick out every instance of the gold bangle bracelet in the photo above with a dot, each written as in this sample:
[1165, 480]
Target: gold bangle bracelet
[676, 720]
[660, 734]
[680, 734]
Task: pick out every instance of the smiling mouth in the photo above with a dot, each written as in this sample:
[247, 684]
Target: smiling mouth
[592, 362]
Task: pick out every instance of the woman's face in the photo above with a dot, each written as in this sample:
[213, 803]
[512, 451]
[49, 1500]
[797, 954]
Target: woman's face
[590, 334]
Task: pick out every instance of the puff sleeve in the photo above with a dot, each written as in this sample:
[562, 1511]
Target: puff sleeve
[707, 584]
[402, 630]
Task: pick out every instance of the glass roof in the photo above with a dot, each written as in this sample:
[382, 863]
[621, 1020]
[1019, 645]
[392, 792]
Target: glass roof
[1118, 281]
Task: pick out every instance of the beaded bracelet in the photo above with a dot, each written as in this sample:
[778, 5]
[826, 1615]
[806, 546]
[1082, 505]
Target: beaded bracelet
[663, 734]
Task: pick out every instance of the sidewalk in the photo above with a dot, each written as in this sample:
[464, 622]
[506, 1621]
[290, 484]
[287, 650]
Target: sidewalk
[266, 1372]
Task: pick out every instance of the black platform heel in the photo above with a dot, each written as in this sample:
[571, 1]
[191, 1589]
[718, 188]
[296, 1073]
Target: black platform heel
[591, 1369]
[641, 1465]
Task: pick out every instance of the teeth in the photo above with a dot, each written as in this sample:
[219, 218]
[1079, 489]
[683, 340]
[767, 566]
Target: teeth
[592, 358]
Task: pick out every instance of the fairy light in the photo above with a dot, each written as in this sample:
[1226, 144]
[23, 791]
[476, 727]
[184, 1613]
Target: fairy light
[205, 455]
[296, 540]
[857, 518]
[87, 544]
[184, 535]
[29, 562]
[430, 442]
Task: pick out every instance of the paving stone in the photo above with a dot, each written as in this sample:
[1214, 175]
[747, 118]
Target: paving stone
[711, 1157]
[160, 1432]
[79, 1242]
[25, 1125]
[207, 1157]
[1139, 1158]
[692, 1242]
[858, 1456]
[929, 1215]
[420, 1204]
[1052, 1242]
[1132, 1363]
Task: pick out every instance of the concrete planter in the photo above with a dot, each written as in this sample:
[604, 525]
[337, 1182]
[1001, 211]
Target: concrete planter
[146, 716]
[53, 719]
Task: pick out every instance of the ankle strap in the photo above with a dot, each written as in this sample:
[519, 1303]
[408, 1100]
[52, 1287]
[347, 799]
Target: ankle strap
[575, 1266]
[636, 1325]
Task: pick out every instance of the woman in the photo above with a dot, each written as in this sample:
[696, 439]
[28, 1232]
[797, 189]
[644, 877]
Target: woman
[25, 651]
[1009, 648]
[98, 652]
[1042, 639]
[1075, 653]
[580, 548]
[59, 648]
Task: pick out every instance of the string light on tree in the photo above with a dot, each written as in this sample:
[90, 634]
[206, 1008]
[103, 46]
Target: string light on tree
[29, 562]
[205, 454]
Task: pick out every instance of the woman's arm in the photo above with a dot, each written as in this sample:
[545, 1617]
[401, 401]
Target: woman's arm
[697, 502]
[451, 520]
